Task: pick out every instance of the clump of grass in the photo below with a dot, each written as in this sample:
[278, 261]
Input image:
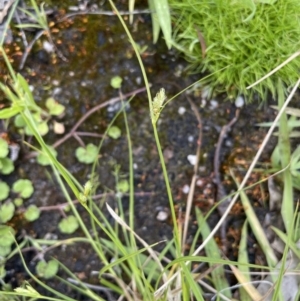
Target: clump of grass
[239, 42]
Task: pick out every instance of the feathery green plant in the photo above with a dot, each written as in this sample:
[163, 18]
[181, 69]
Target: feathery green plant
[248, 39]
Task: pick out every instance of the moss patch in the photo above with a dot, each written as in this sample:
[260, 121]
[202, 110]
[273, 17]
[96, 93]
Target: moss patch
[246, 39]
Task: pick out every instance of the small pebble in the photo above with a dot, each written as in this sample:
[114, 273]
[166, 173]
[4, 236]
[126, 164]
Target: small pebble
[186, 189]
[239, 102]
[213, 104]
[191, 139]
[192, 159]
[181, 110]
[162, 216]
[48, 46]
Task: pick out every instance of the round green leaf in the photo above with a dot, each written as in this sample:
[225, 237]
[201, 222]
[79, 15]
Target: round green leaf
[4, 251]
[43, 158]
[123, 186]
[114, 132]
[7, 211]
[23, 187]
[7, 166]
[3, 148]
[19, 121]
[32, 213]
[54, 107]
[116, 82]
[47, 270]
[87, 155]
[4, 191]
[68, 225]
[18, 202]
[7, 234]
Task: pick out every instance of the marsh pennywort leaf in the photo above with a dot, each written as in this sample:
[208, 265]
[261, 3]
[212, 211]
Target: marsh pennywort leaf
[114, 132]
[54, 107]
[4, 191]
[48, 269]
[3, 148]
[7, 234]
[87, 155]
[18, 202]
[19, 121]
[68, 225]
[116, 82]
[7, 211]
[43, 158]
[4, 251]
[32, 213]
[23, 187]
[123, 186]
[6, 166]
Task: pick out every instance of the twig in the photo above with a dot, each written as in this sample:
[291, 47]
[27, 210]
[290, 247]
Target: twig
[221, 192]
[92, 111]
[194, 178]
[105, 13]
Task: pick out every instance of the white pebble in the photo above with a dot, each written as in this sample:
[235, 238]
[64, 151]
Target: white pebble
[191, 139]
[162, 216]
[239, 102]
[192, 159]
[213, 104]
[48, 46]
[181, 110]
[186, 189]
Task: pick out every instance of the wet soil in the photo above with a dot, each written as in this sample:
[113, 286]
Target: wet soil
[96, 49]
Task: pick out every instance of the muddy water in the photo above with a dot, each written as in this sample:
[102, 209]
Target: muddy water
[96, 49]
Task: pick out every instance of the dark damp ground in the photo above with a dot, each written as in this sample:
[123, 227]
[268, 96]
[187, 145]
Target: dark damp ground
[96, 49]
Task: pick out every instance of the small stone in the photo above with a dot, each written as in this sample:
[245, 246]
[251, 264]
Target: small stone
[186, 189]
[239, 102]
[192, 159]
[181, 110]
[48, 47]
[162, 216]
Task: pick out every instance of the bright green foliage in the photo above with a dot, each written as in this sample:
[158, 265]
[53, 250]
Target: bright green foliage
[247, 39]
[43, 158]
[4, 191]
[87, 155]
[7, 234]
[7, 211]
[23, 187]
[6, 166]
[3, 148]
[123, 186]
[116, 82]
[32, 213]
[48, 269]
[54, 107]
[18, 202]
[114, 132]
[68, 225]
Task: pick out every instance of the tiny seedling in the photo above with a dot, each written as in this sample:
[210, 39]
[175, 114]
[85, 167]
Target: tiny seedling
[7, 211]
[116, 82]
[114, 132]
[32, 213]
[48, 269]
[23, 188]
[7, 234]
[6, 164]
[88, 154]
[68, 225]
[4, 191]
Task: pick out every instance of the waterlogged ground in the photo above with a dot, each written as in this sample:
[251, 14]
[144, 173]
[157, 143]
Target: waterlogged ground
[97, 49]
